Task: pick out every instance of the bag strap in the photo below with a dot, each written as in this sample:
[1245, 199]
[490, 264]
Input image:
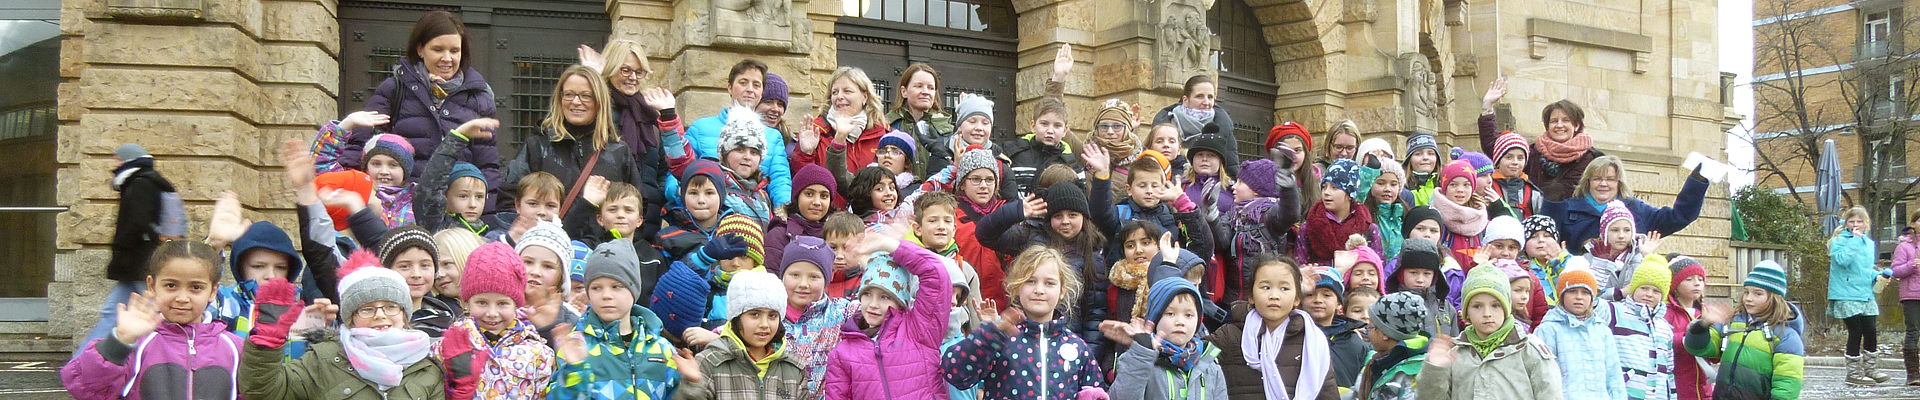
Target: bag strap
[579, 182]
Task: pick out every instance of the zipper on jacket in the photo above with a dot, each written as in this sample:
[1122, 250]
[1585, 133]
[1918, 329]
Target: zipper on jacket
[1043, 364]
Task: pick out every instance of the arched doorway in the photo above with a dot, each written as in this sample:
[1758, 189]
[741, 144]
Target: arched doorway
[1247, 88]
[970, 42]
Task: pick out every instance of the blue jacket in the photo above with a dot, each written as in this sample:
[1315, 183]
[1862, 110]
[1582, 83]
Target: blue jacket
[1586, 352]
[1852, 261]
[1579, 221]
[705, 137]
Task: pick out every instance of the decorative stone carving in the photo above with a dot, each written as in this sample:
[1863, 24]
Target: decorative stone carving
[758, 24]
[158, 11]
[1185, 46]
[1358, 11]
[1420, 86]
[755, 11]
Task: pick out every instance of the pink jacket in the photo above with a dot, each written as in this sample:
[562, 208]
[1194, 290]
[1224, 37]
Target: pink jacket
[1903, 268]
[192, 361]
[1689, 382]
[904, 364]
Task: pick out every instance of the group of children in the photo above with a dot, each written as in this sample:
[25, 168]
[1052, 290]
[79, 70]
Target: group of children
[906, 255]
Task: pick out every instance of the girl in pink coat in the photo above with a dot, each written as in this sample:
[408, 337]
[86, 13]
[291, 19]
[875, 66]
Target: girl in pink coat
[159, 350]
[892, 349]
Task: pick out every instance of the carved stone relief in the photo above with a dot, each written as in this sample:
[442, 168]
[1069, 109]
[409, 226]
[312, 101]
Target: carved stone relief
[753, 23]
[1185, 46]
[1421, 87]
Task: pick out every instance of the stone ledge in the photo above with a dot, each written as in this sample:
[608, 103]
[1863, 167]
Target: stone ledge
[163, 45]
[1540, 31]
[186, 135]
[184, 90]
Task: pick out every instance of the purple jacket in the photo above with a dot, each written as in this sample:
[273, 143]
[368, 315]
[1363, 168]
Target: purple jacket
[1903, 268]
[905, 363]
[407, 97]
[192, 361]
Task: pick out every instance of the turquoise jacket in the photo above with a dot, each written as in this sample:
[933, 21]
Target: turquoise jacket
[1852, 274]
[616, 368]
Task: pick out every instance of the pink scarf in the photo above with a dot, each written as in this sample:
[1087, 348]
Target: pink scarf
[1459, 219]
[1564, 152]
[1261, 350]
[382, 357]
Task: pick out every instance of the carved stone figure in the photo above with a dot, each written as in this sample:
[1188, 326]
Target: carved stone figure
[756, 11]
[1185, 45]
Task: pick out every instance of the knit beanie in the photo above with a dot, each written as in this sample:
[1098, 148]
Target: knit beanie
[1540, 223]
[363, 281]
[494, 268]
[1509, 141]
[1421, 140]
[1504, 228]
[1576, 277]
[1157, 157]
[390, 145]
[618, 260]
[1259, 176]
[1418, 253]
[708, 168]
[1162, 292]
[1366, 255]
[352, 181]
[1065, 196]
[898, 139]
[970, 105]
[1768, 275]
[749, 231]
[1219, 144]
[1344, 174]
[1330, 279]
[1369, 145]
[810, 249]
[577, 265]
[1683, 267]
[407, 237]
[1493, 281]
[130, 151]
[1417, 214]
[1481, 164]
[774, 89]
[754, 289]
[1117, 110]
[1392, 167]
[1660, 278]
[547, 234]
[1399, 315]
[813, 174]
[1290, 128]
[680, 299]
[976, 158]
[882, 273]
[461, 169]
[1458, 169]
[743, 129]
[1616, 212]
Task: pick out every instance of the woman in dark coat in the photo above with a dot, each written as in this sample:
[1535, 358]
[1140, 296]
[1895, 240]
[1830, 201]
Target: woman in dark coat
[579, 130]
[1579, 215]
[432, 91]
[1196, 110]
[624, 65]
[1558, 156]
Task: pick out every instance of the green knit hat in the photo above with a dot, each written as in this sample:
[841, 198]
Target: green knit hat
[1652, 274]
[1489, 280]
[1769, 276]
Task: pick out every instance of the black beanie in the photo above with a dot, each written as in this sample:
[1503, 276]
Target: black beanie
[1417, 214]
[1066, 196]
[1219, 144]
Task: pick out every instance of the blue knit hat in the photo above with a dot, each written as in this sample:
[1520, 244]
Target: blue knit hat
[1330, 279]
[1161, 294]
[1344, 174]
[707, 167]
[1769, 276]
[390, 145]
[680, 299]
[577, 264]
[898, 139]
[1421, 140]
[462, 169]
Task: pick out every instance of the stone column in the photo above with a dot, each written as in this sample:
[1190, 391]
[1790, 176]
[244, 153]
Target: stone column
[694, 44]
[209, 87]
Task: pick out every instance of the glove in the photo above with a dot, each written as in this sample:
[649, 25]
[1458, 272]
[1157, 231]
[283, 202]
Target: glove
[463, 363]
[1091, 393]
[723, 247]
[275, 307]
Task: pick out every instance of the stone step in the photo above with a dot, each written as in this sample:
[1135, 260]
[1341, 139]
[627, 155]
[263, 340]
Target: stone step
[34, 343]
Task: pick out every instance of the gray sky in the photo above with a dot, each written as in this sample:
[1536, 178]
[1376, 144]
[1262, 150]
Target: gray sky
[1736, 56]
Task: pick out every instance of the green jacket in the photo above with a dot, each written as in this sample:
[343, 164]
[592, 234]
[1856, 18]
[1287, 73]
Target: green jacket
[730, 374]
[1395, 382]
[616, 368]
[1756, 361]
[927, 146]
[1521, 368]
[323, 373]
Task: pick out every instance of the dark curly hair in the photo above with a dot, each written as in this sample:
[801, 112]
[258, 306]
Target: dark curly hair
[859, 192]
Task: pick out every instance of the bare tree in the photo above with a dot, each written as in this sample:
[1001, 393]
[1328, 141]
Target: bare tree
[1829, 85]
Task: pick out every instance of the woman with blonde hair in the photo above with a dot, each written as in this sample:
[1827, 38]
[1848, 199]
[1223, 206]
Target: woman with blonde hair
[1850, 296]
[1605, 181]
[623, 63]
[851, 124]
[578, 140]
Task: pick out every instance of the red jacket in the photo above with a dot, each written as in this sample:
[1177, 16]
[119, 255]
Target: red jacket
[1689, 382]
[858, 155]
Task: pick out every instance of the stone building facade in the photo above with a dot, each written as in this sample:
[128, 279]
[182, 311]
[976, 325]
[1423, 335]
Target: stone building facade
[212, 86]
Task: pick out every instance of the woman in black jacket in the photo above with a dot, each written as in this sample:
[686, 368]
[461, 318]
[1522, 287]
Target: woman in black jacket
[578, 137]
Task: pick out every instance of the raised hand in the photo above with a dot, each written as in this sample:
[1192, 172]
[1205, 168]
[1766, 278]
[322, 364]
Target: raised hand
[596, 190]
[689, 367]
[479, 128]
[1344, 260]
[138, 317]
[344, 199]
[1062, 62]
[1117, 332]
[276, 308]
[808, 138]
[364, 119]
[1651, 244]
[658, 98]
[724, 247]
[521, 225]
[1716, 313]
[548, 310]
[698, 337]
[1495, 91]
[591, 58]
[1167, 250]
[299, 164]
[571, 346]
[318, 315]
[1010, 320]
[1034, 206]
[227, 225]
[1440, 352]
[844, 128]
[1097, 162]
[1171, 191]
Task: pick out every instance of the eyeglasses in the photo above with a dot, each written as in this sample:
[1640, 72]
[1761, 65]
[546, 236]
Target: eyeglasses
[629, 72]
[980, 180]
[577, 96]
[1607, 180]
[376, 311]
[889, 151]
[1111, 127]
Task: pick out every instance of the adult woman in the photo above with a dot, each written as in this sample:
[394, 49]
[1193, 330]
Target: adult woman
[432, 91]
[853, 118]
[1579, 215]
[624, 65]
[577, 138]
[1195, 111]
[917, 112]
[1559, 155]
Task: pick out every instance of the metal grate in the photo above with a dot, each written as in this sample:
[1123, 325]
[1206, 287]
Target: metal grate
[533, 81]
[994, 18]
[380, 64]
[1243, 51]
[882, 90]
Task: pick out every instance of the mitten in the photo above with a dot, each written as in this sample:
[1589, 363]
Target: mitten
[1091, 393]
[276, 307]
[463, 363]
[723, 247]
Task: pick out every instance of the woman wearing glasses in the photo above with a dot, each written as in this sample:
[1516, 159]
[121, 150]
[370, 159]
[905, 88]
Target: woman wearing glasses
[1579, 215]
[577, 140]
[624, 65]
[432, 91]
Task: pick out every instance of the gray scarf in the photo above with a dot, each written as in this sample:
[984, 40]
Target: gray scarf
[1190, 120]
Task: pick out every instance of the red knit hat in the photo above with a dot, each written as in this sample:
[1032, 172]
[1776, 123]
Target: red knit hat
[1290, 128]
[1458, 169]
[495, 268]
[1508, 141]
[349, 180]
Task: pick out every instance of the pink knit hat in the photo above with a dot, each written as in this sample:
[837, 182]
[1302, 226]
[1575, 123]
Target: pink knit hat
[1616, 211]
[1458, 169]
[495, 268]
[1366, 255]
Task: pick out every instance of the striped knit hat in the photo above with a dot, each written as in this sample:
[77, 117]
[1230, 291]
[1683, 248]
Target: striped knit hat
[1769, 276]
[390, 145]
[1507, 142]
[407, 237]
[738, 224]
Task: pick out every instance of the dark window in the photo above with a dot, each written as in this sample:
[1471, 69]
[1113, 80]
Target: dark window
[1246, 87]
[30, 63]
[990, 17]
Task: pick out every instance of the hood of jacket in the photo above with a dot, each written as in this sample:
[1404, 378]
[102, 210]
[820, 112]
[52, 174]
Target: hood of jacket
[1342, 325]
[264, 235]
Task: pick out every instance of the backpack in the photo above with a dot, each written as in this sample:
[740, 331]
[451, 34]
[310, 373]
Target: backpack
[173, 216]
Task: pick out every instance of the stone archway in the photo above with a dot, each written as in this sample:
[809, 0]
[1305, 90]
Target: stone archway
[1308, 50]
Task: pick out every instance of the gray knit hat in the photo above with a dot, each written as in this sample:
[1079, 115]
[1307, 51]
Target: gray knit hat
[364, 281]
[973, 104]
[615, 259]
[753, 289]
[975, 159]
[743, 129]
[129, 152]
[1399, 315]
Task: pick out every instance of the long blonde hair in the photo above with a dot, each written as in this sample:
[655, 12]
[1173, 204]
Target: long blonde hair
[556, 124]
[617, 53]
[859, 78]
[1029, 262]
[455, 244]
[1849, 214]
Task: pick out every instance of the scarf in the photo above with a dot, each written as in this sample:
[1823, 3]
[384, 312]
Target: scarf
[1459, 219]
[1191, 120]
[1389, 218]
[1183, 358]
[441, 89]
[1485, 345]
[1564, 152]
[1120, 151]
[633, 113]
[382, 357]
[396, 204]
[859, 122]
[1330, 235]
[1315, 360]
[127, 169]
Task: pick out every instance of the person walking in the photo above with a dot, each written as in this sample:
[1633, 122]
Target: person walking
[136, 232]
